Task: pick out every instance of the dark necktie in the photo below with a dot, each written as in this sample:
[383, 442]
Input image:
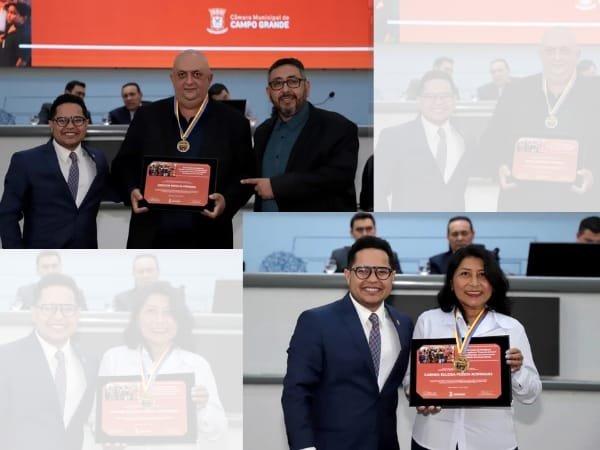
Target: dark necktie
[442, 151]
[73, 180]
[60, 379]
[375, 342]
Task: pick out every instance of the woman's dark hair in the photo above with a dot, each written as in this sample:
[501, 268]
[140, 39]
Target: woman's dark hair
[498, 281]
[179, 310]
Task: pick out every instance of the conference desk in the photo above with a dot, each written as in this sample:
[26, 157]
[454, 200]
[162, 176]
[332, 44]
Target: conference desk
[566, 310]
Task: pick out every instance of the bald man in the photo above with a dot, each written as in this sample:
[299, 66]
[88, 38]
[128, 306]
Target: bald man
[186, 126]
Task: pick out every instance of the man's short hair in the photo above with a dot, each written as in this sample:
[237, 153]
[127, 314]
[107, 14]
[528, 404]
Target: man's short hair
[591, 223]
[287, 62]
[71, 85]
[23, 9]
[361, 216]
[59, 279]
[216, 89]
[45, 254]
[585, 65]
[455, 218]
[500, 60]
[437, 75]
[366, 242]
[131, 83]
[68, 98]
[441, 60]
[145, 255]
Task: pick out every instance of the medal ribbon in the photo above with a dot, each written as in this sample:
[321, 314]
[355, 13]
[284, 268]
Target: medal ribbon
[461, 347]
[194, 121]
[561, 98]
[147, 383]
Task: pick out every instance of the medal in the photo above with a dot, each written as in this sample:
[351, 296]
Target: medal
[183, 145]
[551, 122]
[461, 362]
[145, 397]
[147, 400]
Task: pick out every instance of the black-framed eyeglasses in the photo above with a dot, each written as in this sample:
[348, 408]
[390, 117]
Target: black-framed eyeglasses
[51, 309]
[292, 82]
[364, 272]
[62, 121]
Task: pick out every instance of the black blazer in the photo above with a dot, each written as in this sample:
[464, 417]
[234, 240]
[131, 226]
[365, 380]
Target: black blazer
[406, 169]
[121, 116]
[438, 264]
[36, 190]
[30, 416]
[320, 172]
[154, 132]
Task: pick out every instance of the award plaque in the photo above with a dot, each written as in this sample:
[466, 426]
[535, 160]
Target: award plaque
[537, 159]
[178, 183]
[165, 414]
[440, 376]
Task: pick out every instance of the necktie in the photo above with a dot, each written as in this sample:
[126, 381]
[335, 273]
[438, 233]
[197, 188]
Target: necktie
[442, 151]
[73, 180]
[375, 342]
[60, 379]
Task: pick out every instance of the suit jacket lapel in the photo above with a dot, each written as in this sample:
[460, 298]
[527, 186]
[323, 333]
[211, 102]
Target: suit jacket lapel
[400, 332]
[306, 136]
[54, 168]
[354, 327]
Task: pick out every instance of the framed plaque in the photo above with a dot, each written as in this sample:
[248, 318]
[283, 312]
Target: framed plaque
[178, 183]
[163, 415]
[537, 159]
[439, 376]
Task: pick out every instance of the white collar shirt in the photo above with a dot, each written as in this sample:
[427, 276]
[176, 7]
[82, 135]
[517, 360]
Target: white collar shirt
[87, 168]
[75, 375]
[390, 342]
[455, 144]
[475, 428]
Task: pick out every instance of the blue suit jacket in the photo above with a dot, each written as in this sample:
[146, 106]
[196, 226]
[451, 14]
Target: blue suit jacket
[331, 399]
[35, 190]
[121, 116]
[30, 416]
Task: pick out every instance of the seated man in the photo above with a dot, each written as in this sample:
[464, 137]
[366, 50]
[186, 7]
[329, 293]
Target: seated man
[361, 224]
[145, 272]
[47, 261]
[460, 234]
[132, 100]
[500, 72]
[218, 91]
[73, 87]
[589, 230]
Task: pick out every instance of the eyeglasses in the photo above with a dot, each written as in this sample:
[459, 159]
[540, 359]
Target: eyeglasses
[62, 121]
[364, 272]
[292, 82]
[65, 310]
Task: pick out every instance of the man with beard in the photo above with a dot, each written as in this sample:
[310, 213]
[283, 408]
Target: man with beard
[306, 157]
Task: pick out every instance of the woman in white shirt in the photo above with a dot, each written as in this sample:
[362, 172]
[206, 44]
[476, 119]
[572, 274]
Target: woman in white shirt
[474, 295]
[158, 341]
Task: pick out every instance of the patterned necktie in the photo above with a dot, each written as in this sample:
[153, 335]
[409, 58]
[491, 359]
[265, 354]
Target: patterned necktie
[60, 379]
[442, 151]
[73, 180]
[375, 342]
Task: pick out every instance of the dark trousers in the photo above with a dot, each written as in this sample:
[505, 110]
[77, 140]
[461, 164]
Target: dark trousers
[415, 446]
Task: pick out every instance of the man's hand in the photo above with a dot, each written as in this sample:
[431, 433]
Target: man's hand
[503, 174]
[587, 179]
[136, 196]
[219, 206]
[262, 187]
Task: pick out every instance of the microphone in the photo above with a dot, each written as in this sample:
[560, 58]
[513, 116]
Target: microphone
[329, 97]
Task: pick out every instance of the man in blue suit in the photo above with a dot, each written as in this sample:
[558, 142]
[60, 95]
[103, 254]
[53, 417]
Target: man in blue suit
[55, 188]
[46, 385]
[346, 361]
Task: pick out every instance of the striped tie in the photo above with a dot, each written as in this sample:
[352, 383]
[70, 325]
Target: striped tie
[73, 180]
[60, 379]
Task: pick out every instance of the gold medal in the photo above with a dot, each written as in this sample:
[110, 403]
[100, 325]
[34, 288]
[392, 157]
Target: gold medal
[461, 363]
[146, 400]
[183, 146]
[551, 122]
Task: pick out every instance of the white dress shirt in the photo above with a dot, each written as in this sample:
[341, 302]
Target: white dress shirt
[212, 422]
[475, 428]
[75, 375]
[87, 168]
[455, 144]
